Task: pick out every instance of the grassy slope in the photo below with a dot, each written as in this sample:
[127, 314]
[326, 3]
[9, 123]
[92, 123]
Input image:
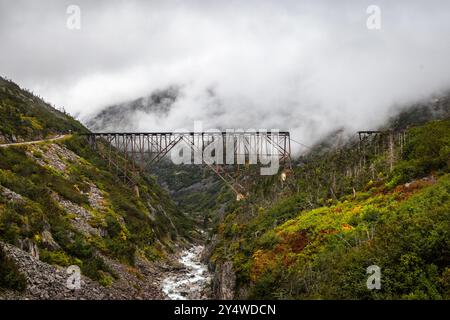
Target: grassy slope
[309, 245]
[27, 117]
[145, 225]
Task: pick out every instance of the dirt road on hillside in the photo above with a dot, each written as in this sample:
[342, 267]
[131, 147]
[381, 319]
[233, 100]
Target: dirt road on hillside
[58, 137]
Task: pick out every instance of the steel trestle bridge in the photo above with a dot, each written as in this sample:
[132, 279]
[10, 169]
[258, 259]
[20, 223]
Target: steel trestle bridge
[130, 153]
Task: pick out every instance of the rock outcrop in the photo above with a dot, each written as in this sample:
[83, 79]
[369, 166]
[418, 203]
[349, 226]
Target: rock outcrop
[46, 281]
[224, 281]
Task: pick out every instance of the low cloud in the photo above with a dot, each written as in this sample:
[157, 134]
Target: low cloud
[309, 67]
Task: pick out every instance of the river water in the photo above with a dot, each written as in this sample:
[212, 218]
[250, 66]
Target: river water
[190, 282]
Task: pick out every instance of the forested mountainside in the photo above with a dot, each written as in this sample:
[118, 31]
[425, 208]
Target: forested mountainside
[196, 190]
[60, 203]
[27, 117]
[383, 201]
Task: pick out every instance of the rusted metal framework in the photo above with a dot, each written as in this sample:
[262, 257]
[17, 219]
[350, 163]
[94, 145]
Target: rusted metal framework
[131, 152]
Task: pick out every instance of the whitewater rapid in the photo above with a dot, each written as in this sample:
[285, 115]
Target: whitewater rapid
[192, 281]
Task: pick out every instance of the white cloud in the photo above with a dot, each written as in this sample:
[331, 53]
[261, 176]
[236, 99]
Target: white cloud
[307, 67]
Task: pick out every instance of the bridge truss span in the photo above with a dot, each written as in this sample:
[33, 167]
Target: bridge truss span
[236, 147]
[133, 152]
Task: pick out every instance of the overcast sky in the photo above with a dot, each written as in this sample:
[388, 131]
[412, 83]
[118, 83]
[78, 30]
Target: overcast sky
[305, 66]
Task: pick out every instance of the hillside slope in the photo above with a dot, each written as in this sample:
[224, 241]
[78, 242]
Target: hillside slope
[383, 201]
[60, 203]
[26, 117]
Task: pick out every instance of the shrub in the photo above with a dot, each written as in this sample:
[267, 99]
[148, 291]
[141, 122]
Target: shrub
[105, 279]
[96, 269]
[10, 276]
[55, 257]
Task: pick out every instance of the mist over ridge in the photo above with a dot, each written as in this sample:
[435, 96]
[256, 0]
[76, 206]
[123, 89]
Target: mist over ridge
[310, 68]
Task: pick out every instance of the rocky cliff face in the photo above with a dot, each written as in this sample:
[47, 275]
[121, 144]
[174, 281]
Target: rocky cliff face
[224, 281]
[45, 281]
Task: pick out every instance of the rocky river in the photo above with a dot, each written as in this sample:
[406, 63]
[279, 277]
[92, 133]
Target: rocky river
[192, 280]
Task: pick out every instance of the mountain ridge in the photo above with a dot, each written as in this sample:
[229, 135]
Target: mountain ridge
[121, 116]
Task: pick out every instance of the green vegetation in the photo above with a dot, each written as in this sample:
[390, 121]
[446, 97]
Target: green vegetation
[10, 276]
[130, 223]
[314, 238]
[310, 237]
[196, 190]
[428, 151]
[26, 117]
[324, 253]
[53, 185]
